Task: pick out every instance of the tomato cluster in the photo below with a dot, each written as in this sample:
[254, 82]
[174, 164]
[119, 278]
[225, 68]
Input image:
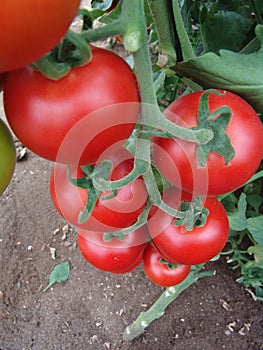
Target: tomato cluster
[168, 245]
[83, 123]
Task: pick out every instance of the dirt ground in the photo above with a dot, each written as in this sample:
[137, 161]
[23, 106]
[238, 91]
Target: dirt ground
[91, 309]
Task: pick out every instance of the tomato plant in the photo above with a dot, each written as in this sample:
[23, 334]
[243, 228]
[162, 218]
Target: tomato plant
[205, 143]
[108, 214]
[190, 247]
[177, 159]
[30, 29]
[7, 156]
[65, 120]
[160, 271]
[116, 255]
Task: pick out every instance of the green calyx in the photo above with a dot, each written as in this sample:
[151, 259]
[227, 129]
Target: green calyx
[170, 265]
[71, 52]
[194, 214]
[216, 122]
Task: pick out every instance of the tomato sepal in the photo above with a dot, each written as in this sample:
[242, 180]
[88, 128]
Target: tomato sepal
[217, 122]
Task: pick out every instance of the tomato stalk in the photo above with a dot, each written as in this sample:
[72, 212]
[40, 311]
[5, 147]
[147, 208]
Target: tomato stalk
[161, 14]
[157, 310]
[256, 10]
[150, 118]
[185, 44]
[173, 39]
[151, 114]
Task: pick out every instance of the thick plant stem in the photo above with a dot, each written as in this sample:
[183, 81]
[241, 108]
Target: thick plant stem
[157, 310]
[256, 10]
[186, 47]
[161, 14]
[130, 26]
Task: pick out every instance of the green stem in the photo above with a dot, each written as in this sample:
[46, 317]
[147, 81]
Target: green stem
[113, 28]
[155, 196]
[151, 115]
[150, 118]
[157, 310]
[142, 161]
[161, 14]
[255, 9]
[130, 26]
[186, 47]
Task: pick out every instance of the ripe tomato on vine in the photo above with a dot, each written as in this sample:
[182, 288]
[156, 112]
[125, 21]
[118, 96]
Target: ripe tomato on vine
[30, 28]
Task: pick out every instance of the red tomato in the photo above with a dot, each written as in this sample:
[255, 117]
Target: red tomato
[117, 256]
[177, 159]
[193, 247]
[160, 273]
[30, 28]
[75, 119]
[2, 80]
[108, 215]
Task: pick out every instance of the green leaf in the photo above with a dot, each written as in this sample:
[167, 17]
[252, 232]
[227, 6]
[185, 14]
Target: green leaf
[229, 203]
[60, 273]
[259, 293]
[238, 220]
[255, 200]
[257, 251]
[223, 30]
[255, 227]
[236, 72]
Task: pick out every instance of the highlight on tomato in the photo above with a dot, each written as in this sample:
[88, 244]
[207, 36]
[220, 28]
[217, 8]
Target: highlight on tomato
[75, 119]
[116, 255]
[31, 28]
[177, 159]
[7, 156]
[108, 214]
[160, 271]
[190, 247]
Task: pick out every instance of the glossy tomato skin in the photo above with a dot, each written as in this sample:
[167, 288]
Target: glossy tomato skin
[160, 273]
[75, 119]
[177, 161]
[30, 28]
[7, 156]
[107, 215]
[2, 80]
[197, 246]
[116, 256]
